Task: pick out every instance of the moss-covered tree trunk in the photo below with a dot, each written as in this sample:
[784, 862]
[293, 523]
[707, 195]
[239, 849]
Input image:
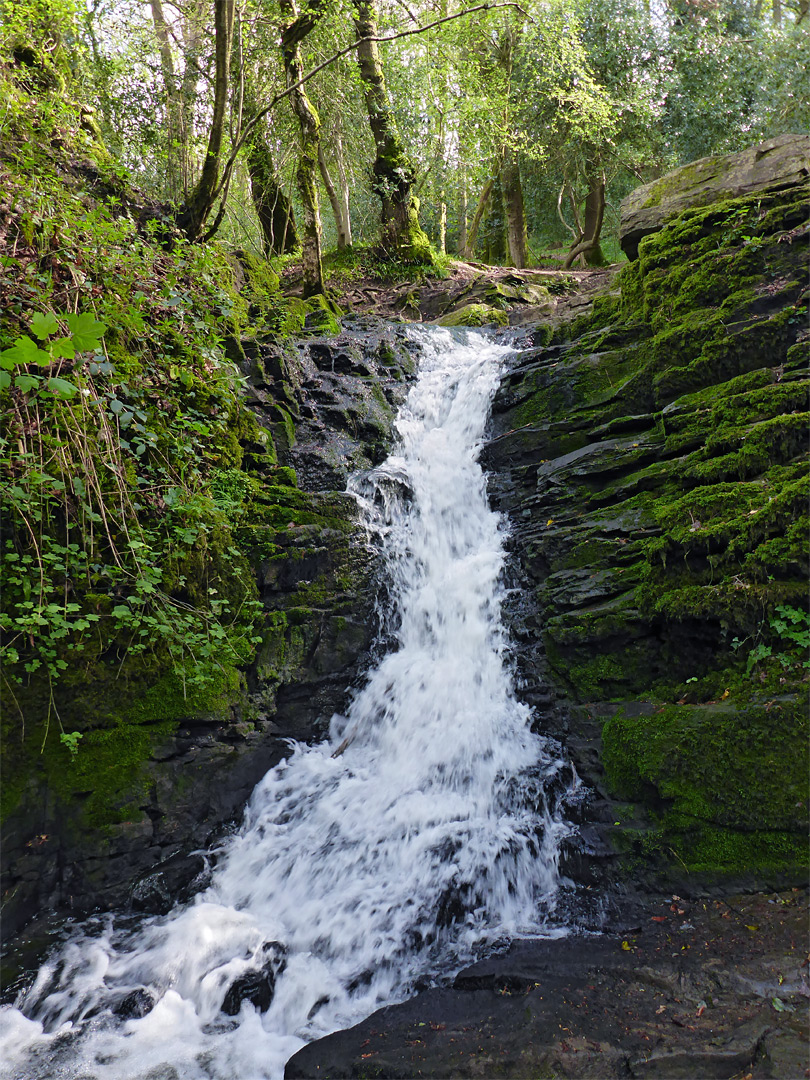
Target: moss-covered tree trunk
[393, 170]
[513, 207]
[194, 214]
[273, 208]
[310, 129]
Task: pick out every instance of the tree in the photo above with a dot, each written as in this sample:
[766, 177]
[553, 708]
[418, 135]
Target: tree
[298, 26]
[194, 213]
[393, 171]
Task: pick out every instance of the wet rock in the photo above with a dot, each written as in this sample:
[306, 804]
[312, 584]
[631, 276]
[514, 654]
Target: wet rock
[630, 1004]
[135, 1005]
[172, 881]
[257, 986]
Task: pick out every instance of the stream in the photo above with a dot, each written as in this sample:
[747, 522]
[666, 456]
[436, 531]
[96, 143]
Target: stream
[424, 832]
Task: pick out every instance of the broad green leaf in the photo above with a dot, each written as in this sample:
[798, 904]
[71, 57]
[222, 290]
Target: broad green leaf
[116, 406]
[43, 324]
[23, 351]
[27, 382]
[5, 380]
[85, 331]
[62, 388]
[63, 347]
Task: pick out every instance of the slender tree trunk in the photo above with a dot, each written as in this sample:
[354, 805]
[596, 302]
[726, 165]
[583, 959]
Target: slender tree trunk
[310, 129]
[344, 187]
[174, 120]
[472, 235]
[193, 215]
[462, 218]
[493, 231]
[393, 171]
[337, 208]
[515, 215]
[192, 39]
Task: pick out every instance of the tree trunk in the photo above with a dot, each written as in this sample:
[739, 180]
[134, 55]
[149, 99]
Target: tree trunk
[273, 208]
[344, 187]
[337, 208]
[193, 26]
[174, 117]
[493, 231]
[194, 213]
[310, 129]
[472, 235]
[462, 219]
[594, 216]
[592, 229]
[515, 215]
[393, 172]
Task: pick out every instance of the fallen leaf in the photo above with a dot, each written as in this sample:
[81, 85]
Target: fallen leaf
[701, 1009]
[627, 946]
[659, 918]
[781, 1006]
[660, 1009]
[752, 928]
[724, 695]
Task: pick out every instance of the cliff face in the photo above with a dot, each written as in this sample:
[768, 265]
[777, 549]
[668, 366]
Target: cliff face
[652, 458]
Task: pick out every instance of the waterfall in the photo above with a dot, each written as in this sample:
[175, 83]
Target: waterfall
[423, 831]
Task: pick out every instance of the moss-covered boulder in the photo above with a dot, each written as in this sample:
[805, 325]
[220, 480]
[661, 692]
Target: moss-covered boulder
[474, 315]
[780, 162]
[653, 459]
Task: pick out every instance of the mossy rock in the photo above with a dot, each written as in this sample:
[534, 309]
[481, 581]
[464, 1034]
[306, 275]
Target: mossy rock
[474, 315]
[726, 785]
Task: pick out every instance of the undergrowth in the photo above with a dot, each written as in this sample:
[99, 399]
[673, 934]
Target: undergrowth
[121, 415]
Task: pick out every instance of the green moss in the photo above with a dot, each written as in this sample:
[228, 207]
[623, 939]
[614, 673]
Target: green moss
[727, 785]
[474, 315]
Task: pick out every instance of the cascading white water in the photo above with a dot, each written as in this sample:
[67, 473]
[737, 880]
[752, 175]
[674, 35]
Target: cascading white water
[419, 833]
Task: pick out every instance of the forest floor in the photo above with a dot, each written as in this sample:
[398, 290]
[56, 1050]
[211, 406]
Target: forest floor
[527, 295]
[688, 989]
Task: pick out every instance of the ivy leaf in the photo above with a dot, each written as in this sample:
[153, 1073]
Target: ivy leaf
[63, 347]
[85, 331]
[27, 382]
[43, 324]
[23, 351]
[62, 388]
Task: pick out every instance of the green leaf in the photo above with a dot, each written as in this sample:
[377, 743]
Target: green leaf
[63, 347]
[116, 406]
[23, 351]
[62, 388]
[44, 324]
[5, 380]
[27, 382]
[85, 331]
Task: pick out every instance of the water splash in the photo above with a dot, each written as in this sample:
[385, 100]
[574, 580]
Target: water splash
[424, 829]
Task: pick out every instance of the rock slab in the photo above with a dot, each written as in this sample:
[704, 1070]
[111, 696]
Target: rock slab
[776, 163]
